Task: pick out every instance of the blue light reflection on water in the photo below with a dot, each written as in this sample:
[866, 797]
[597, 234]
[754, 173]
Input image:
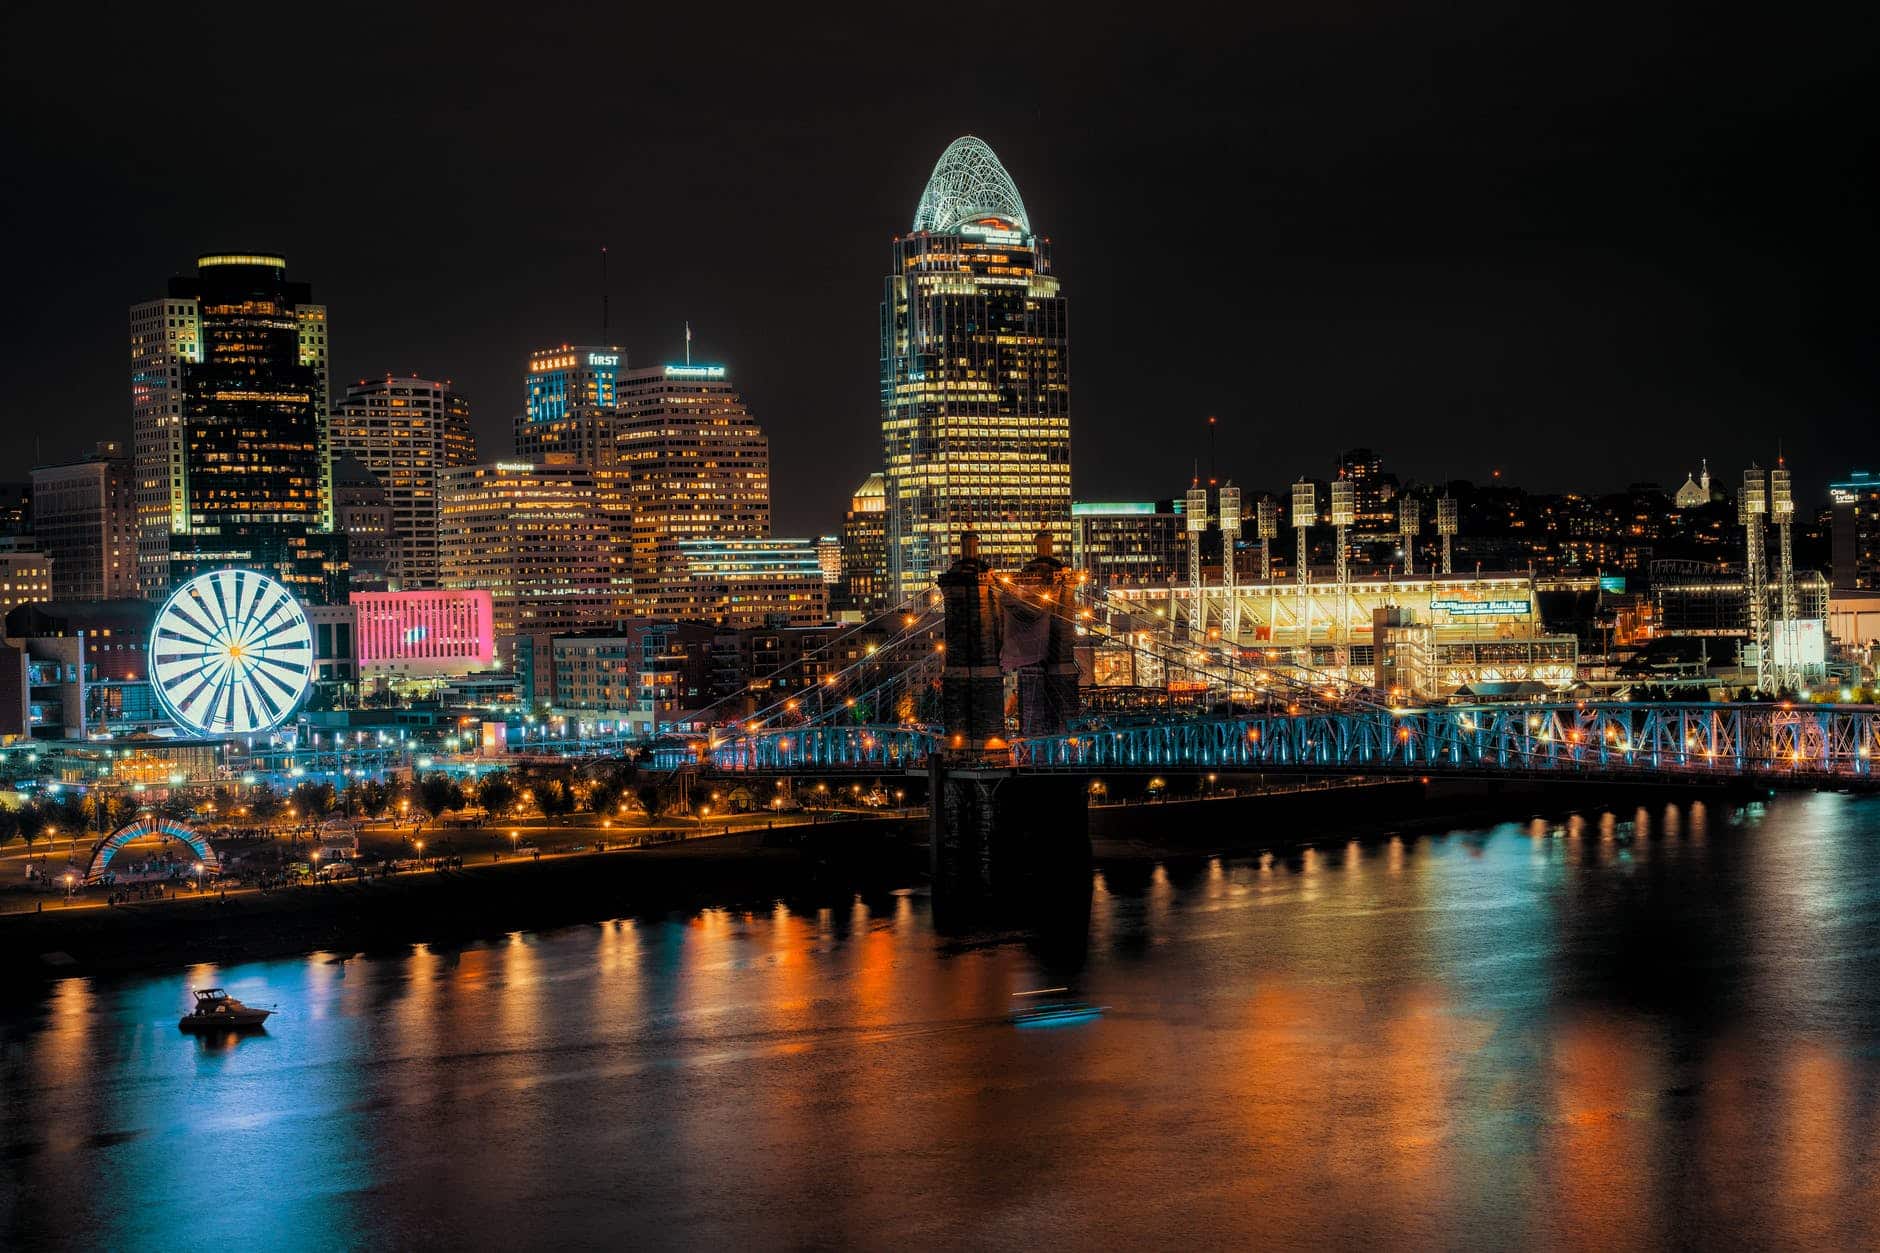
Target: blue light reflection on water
[1648, 1027]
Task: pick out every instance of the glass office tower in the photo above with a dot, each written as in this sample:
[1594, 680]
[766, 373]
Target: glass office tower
[975, 377]
[230, 409]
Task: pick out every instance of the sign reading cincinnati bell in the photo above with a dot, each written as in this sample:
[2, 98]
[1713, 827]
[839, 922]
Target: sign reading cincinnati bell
[231, 653]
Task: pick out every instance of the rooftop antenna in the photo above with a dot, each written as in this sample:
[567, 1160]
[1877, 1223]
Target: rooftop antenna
[604, 309]
[688, 343]
[1212, 479]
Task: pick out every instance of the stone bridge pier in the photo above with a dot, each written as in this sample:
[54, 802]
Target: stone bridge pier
[996, 830]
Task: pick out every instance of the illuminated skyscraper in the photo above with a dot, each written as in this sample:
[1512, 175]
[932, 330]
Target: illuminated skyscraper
[569, 395]
[230, 439]
[691, 464]
[975, 377]
[865, 549]
[536, 538]
[405, 431]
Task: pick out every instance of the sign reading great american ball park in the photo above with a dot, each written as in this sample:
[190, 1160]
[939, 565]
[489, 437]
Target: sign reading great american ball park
[231, 653]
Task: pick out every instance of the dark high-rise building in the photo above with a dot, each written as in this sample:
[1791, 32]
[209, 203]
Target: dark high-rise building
[975, 377]
[406, 431]
[864, 585]
[1371, 495]
[365, 513]
[1132, 543]
[85, 519]
[1854, 544]
[229, 401]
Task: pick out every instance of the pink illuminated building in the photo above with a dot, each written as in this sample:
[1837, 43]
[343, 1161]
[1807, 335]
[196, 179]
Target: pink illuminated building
[427, 633]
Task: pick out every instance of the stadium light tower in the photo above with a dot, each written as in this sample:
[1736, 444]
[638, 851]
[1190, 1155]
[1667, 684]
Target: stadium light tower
[1750, 508]
[1409, 519]
[1782, 513]
[1446, 527]
[1197, 515]
[1230, 534]
[1305, 511]
[1344, 513]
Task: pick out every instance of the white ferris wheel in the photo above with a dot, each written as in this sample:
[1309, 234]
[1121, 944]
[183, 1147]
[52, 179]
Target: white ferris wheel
[231, 653]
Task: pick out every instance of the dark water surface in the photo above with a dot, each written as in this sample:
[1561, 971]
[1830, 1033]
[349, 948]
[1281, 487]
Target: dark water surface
[1662, 1030]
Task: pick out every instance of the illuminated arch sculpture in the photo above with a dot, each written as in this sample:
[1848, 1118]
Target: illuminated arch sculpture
[104, 850]
[968, 184]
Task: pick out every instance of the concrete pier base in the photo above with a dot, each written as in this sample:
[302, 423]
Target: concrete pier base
[997, 832]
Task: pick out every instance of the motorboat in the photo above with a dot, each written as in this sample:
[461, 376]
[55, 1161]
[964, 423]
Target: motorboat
[216, 1010]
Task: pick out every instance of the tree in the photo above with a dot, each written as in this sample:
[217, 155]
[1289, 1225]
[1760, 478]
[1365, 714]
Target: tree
[32, 824]
[554, 797]
[265, 803]
[649, 800]
[372, 797]
[314, 799]
[497, 794]
[438, 793]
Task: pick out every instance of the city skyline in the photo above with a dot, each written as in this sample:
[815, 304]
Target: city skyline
[1442, 280]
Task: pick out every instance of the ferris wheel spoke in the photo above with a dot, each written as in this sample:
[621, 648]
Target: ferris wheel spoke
[231, 650]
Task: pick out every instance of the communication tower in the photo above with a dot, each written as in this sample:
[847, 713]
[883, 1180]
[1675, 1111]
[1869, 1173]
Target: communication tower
[1230, 534]
[1266, 522]
[1344, 514]
[1782, 512]
[1751, 507]
[1409, 521]
[1446, 527]
[1197, 515]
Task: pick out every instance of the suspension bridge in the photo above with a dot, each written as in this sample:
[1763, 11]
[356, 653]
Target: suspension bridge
[946, 673]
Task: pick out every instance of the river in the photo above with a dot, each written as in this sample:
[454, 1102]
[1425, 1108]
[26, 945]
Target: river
[1660, 1028]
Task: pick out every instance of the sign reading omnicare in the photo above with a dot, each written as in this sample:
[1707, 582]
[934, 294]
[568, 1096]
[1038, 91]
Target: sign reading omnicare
[1507, 607]
[695, 371]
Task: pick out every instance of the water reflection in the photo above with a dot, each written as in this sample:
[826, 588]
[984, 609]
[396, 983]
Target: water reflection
[1655, 1027]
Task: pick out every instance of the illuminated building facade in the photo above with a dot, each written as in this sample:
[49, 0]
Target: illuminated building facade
[752, 582]
[1132, 543]
[691, 464]
[230, 433]
[85, 519]
[425, 633]
[534, 537]
[25, 575]
[405, 431]
[1854, 544]
[975, 377]
[865, 549]
[569, 394]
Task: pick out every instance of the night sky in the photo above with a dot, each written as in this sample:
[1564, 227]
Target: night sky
[1585, 246]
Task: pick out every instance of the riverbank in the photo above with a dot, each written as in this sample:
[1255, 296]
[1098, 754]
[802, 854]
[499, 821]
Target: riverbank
[806, 865]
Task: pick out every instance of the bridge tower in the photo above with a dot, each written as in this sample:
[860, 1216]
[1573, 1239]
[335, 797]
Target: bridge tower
[972, 688]
[993, 829]
[1040, 642]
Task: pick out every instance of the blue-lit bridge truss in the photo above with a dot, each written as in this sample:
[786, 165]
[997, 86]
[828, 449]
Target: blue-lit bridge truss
[1802, 743]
